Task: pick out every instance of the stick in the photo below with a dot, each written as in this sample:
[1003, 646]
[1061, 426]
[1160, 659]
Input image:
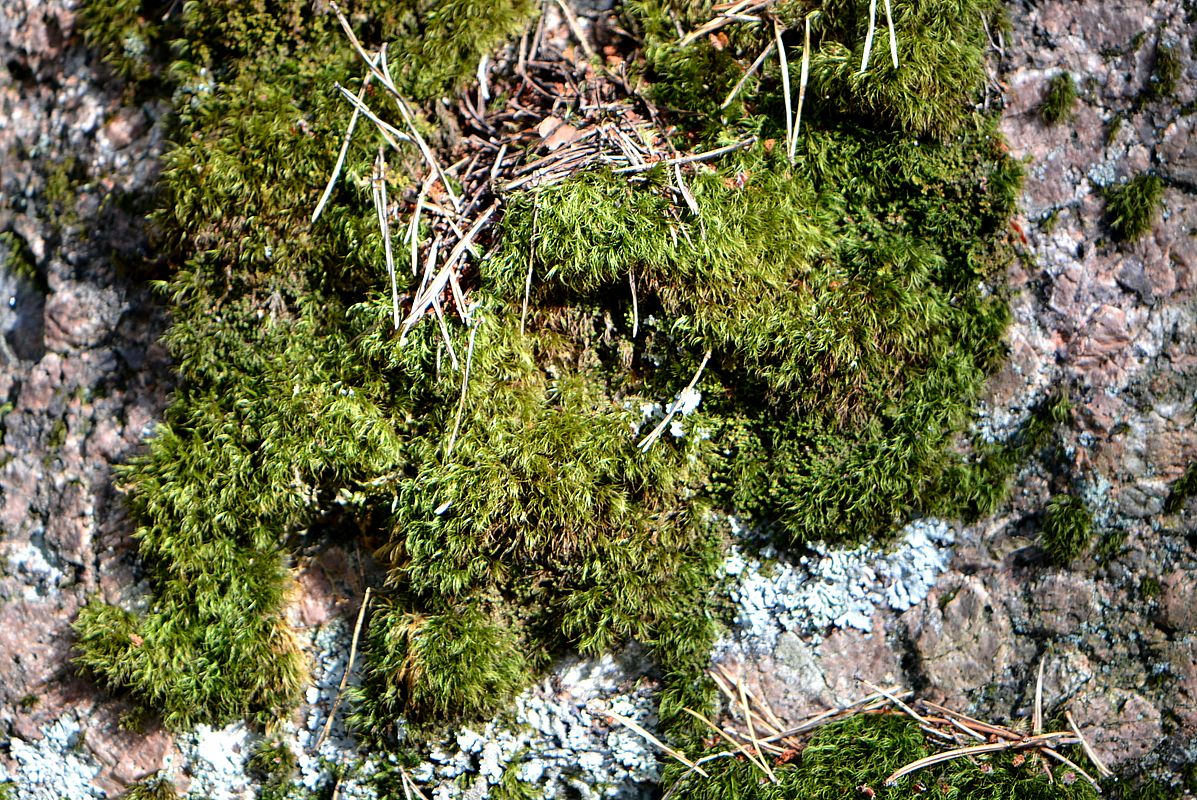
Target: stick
[336, 173]
[357, 631]
[465, 382]
[576, 29]
[727, 101]
[632, 726]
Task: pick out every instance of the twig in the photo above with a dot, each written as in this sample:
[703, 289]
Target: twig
[747, 74]
[357, 632]
[576, 29]
[465, 383]
[635, 728]
[336, 173]
[647, 442]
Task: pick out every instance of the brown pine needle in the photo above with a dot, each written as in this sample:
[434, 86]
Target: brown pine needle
[752, 731]
[757, 759]
[635, 728]
[1102, 769]
[357, 632]
[575, 28]
[727, 101]
[336, 173]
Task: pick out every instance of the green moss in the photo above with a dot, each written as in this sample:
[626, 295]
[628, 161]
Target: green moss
[1149, 587]
[1132, 207]
[849, 302]
[17, 259]
[1059, 100]
[1182, 489]
[1165, 73]
[1067, 528]
[853, 758]
[156, 787]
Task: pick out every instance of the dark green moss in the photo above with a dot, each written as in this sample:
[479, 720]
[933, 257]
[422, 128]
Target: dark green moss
[1182, 489]
[1067, 529]
[1059, 100]
[853, 758]
[1165, 73]
[1149, 587]
[1132, 207]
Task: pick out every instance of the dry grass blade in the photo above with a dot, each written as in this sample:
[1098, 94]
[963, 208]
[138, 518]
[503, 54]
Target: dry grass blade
[897, 702]
[1102, 769]
[381, 207]
[340, 164]
[984, 727]
[752, 731]
[802, 81]
[635, 728]
[357, 632]
[785, 88]
[635, 306]
[389, 132]
[893, 34]
[647, 442]
[868, 46]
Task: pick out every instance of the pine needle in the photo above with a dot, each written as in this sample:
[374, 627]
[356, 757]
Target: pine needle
[635, 728]
[868, 46]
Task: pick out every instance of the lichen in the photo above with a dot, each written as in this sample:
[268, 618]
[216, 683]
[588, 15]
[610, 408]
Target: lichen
[846, 306]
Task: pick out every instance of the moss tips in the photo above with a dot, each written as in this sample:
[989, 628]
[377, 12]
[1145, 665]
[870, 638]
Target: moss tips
[1059, 100]
[1133, 207]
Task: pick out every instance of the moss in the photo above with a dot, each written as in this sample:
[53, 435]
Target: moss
[1059, 99]
[848, 300]
[1132, 207]
[1182, 489]
[1067, 529]
[853, 758]
[1149, 587]
[156, 787]
[18, 260]
[1166, 72]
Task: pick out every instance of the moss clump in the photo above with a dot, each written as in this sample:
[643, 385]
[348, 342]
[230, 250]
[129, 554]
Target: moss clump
[1059, 100]
[1067, 528]
[847, 302]
[1182, 489]
[156, 787]
[853, 758]
[1165, 73]
[1132, 207]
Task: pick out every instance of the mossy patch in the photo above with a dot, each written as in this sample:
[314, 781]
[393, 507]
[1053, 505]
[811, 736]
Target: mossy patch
[1182, 489]
[1133, 207]
[1059, 100]
[1067, 529]
[155, 787]
[1166, 71]
[849, 302]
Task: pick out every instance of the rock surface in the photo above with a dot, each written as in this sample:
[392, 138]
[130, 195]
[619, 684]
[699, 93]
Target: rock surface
[83, 378]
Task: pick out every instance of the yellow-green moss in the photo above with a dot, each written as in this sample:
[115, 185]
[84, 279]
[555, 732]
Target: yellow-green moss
[1133, 207]
[1059, 100]
[848, 301]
